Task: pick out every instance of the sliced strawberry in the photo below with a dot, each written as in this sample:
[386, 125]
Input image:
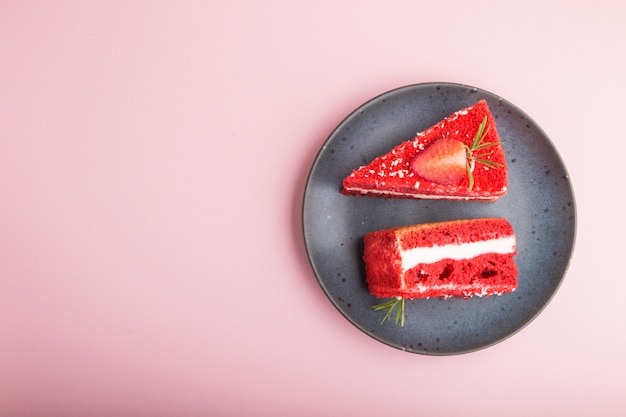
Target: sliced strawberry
[443, 161]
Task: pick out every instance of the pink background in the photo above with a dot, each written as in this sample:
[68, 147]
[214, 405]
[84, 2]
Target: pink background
[153, 156]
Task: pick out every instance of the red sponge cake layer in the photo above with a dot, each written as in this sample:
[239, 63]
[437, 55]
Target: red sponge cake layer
[459, 258]
[398, 173]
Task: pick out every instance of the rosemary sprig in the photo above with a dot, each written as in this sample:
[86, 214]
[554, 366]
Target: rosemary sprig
[478, 145]
[396, 303]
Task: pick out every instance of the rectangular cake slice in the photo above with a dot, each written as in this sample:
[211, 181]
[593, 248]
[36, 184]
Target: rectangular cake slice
[460, 258]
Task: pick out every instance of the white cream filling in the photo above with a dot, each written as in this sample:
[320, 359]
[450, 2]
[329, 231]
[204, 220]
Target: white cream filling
[479, 290]
[425, 196]
[427, 255]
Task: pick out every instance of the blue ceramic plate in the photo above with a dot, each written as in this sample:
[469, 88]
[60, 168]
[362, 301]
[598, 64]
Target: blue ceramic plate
[539, 205]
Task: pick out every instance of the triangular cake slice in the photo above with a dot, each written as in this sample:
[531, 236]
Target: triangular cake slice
[459, 158]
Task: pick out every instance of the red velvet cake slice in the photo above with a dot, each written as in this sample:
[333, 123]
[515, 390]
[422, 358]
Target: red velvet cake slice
[459, 158]
[460, 258]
